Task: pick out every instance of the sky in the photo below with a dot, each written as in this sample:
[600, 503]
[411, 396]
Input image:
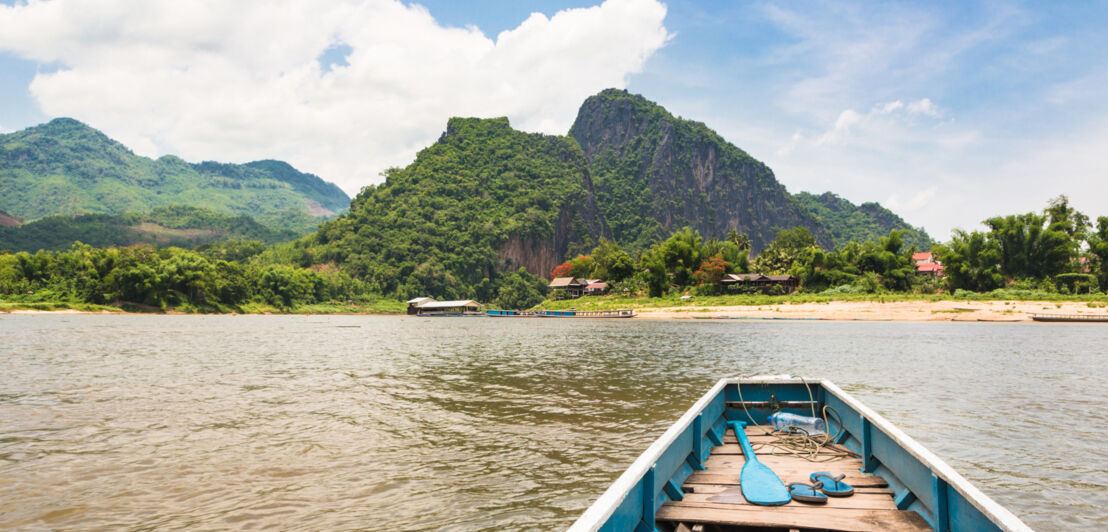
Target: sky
[948, 113]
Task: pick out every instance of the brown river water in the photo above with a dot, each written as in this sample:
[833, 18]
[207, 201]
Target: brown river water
[365, 422]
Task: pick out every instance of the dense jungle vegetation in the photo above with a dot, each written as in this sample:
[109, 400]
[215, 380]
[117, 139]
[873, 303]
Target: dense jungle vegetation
[174, 225]
[1056, 252]
[435, 227]
[1034, 255]
[864, 223]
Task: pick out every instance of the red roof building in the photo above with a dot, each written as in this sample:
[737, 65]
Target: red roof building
[930, 268]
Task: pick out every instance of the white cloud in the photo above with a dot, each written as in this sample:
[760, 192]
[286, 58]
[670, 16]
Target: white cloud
[846, 120]
[238, 81]
[918, 201]
[891, 106]
[881, 120]
[923, 107]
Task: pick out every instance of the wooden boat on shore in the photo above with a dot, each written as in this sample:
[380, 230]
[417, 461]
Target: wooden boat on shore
[689, 479]
[1071, 318]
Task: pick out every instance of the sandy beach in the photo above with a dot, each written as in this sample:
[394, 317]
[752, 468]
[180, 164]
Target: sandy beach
[990, 311]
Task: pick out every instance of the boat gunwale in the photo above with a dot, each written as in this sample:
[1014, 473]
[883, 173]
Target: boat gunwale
[1000, 515]
[602, 509]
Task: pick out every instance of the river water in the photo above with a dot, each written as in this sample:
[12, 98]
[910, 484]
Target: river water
[361, 422]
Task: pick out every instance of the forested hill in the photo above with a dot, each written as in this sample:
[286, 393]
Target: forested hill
[655, 173]
[65, 167]
[866, 222]
[483, 199]
[174, 225]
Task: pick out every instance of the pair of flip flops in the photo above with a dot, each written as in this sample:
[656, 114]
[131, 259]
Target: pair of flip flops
[823, 484]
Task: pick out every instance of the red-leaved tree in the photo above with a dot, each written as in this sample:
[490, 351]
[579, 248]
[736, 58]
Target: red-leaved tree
[711, 270]
[562, 270]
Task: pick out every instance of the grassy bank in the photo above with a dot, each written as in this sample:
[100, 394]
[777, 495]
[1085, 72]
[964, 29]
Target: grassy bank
[613, 302]
[50, 306]
[383, 306]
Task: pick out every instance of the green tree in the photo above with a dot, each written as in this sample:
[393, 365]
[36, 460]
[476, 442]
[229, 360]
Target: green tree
[1029, 248]
[971, 262]
[189, 274]
[788, 246]
[520, 290]
[432, 279]
[283, 286]
[611, 263]
[741, 241]
[1098, 250]
[681, 254]
[1066, 218]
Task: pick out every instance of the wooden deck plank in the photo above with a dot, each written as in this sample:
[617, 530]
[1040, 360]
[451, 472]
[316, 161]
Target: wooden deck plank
[715, 488]
[858, 501]
[791, 517]
[856, 478]
[773, 461]
[714, 495]
[766, 449]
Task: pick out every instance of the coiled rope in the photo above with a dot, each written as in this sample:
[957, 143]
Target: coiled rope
[796, 441]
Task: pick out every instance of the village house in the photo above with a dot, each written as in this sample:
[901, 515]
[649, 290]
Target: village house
[927, 265]
[570, 286]
[759, 281]
[596, 287]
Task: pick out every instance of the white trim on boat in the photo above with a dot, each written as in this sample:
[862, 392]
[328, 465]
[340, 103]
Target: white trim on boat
[1000, 515]
[599, 512]
[602, 509]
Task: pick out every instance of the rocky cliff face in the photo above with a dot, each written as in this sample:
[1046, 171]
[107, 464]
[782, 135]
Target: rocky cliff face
[577, 231]
[654, 173]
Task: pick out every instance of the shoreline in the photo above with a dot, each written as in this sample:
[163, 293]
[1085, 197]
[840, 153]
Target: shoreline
[997, 311]
[916, 311]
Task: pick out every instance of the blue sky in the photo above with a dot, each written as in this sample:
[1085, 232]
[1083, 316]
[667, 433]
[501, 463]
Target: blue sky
[948, 113]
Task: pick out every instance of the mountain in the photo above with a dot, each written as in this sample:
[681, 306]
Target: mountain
[176, 225]
[483, 199]
[66, 168]
[868, 221]
[655, 173]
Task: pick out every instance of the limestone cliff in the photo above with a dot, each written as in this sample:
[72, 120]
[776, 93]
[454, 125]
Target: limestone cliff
[654, 173]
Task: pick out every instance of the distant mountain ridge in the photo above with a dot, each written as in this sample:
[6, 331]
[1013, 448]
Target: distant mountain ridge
[868, 221]
[64, 167]
[174, 225]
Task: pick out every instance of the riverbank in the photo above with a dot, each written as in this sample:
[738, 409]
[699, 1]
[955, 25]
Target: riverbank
[381, 307]
[781, 307]
[975, 311]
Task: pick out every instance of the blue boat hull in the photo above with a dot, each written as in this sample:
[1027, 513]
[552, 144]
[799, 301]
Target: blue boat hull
[921, 482]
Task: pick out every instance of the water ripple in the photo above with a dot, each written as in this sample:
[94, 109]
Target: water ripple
[348, 422]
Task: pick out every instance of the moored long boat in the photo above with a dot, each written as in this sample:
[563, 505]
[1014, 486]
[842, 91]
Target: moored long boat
[690, 477]
[1071, 318]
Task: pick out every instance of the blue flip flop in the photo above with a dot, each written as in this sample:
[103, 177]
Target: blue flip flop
[832, 485]
[807, 492]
